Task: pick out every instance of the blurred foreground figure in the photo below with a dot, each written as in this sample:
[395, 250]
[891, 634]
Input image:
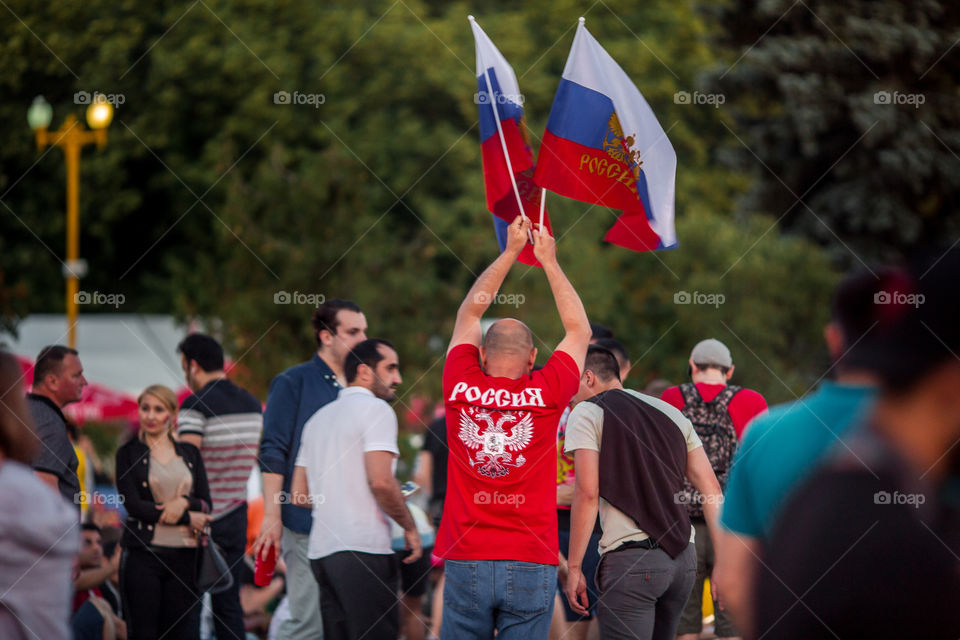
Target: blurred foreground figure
[39, 533]
[868, 547]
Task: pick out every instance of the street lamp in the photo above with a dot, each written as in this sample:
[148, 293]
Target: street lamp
[72, 137]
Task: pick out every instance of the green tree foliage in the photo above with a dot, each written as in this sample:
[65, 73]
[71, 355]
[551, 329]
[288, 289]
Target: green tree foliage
[847, 116]
[213, 200]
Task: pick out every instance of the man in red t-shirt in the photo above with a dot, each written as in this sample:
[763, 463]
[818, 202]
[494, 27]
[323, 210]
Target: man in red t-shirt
[719, 412]
[498, 534]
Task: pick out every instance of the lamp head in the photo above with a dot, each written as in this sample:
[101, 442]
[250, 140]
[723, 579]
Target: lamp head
[39, 114]
[99, 113]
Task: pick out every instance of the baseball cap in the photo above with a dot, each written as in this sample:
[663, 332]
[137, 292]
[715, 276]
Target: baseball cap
[916, 329]
[711, 351]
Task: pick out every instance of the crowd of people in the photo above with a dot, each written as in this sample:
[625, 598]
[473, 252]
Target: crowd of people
[557, 501]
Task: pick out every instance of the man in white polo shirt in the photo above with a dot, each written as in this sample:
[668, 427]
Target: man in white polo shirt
[344, 469]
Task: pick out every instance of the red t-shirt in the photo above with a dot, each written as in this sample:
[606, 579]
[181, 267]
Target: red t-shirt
[742, 409]
[502, 471]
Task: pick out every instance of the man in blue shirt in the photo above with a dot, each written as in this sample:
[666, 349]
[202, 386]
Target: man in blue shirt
[781, 448]
[295, 395]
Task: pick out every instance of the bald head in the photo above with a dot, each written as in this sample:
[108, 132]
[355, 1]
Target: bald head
[508, 337]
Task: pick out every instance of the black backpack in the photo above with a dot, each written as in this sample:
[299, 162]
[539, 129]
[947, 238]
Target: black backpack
[712, 422]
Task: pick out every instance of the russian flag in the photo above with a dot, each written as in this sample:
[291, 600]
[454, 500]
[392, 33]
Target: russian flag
[505, 149]
[603, 145]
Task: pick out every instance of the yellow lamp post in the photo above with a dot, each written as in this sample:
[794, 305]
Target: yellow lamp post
[72, 137]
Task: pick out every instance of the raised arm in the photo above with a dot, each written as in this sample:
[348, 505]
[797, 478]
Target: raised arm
[572, 314]
[481, 294]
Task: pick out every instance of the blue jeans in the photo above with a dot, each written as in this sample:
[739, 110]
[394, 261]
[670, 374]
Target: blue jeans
[515, 598]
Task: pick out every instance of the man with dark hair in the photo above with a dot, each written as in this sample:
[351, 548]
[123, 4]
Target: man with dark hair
[619, 352]
[599, 332]
[719, 411]
[224, 422]
[632, 453]
[92, 612]
[870, 540]
[345, 469]
[498, 534]
[57, 381]
[782, 447]
[295, 395]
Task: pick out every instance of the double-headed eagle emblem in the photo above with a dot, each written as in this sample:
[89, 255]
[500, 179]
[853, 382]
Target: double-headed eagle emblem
[493, 444]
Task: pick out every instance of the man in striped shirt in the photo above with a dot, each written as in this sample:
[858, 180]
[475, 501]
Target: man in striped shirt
[224, 422]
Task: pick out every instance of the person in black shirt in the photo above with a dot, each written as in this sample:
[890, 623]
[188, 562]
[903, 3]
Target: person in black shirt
[869, 546]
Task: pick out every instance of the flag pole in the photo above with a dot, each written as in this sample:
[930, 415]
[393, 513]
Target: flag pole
[503, 141]
[543, 202]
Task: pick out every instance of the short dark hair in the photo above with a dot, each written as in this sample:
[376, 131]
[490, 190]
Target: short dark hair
[603, 363]
[600, 331]
[202, 349]
[709, 365]
[325, 317]
[89, 526]
[368, 353]
[110, 537]
[49, 361]
[619, 351]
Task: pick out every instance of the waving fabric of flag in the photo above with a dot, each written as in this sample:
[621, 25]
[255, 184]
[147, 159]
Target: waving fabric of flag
[604, 145]
[503, 143]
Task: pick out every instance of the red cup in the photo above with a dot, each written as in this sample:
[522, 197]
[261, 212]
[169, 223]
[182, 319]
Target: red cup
[263, 567]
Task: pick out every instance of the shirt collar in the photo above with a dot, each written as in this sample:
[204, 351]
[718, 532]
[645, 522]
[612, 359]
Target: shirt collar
[50, 403]
[356, 390]
[326, 372]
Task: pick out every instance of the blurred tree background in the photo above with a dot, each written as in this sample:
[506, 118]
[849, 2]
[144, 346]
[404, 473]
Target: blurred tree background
[211, 198]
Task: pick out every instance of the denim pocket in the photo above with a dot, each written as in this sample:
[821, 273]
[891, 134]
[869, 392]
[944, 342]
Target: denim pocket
[530, 588]
[460, 591]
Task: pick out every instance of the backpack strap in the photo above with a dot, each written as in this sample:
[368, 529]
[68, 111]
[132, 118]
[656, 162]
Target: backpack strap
[725, 396]
[691, 395]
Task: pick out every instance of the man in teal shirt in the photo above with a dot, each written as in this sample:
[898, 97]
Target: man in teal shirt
[780, 448]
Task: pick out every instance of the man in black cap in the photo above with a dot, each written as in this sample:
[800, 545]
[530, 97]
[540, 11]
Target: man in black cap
[869, 546]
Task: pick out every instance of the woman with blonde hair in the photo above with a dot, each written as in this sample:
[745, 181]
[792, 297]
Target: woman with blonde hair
[167, 498]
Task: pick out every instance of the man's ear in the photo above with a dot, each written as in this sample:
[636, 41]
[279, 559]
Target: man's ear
[730, 372]
[483, 358]
[533, 359]
[589, 379]
[325, 337]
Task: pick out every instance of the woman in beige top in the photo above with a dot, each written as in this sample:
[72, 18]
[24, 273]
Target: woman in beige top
[165, 492]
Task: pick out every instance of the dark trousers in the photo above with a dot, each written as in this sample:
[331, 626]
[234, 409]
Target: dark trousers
[358, 595]
[159, 590]
[642, 592]
[230, 534]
